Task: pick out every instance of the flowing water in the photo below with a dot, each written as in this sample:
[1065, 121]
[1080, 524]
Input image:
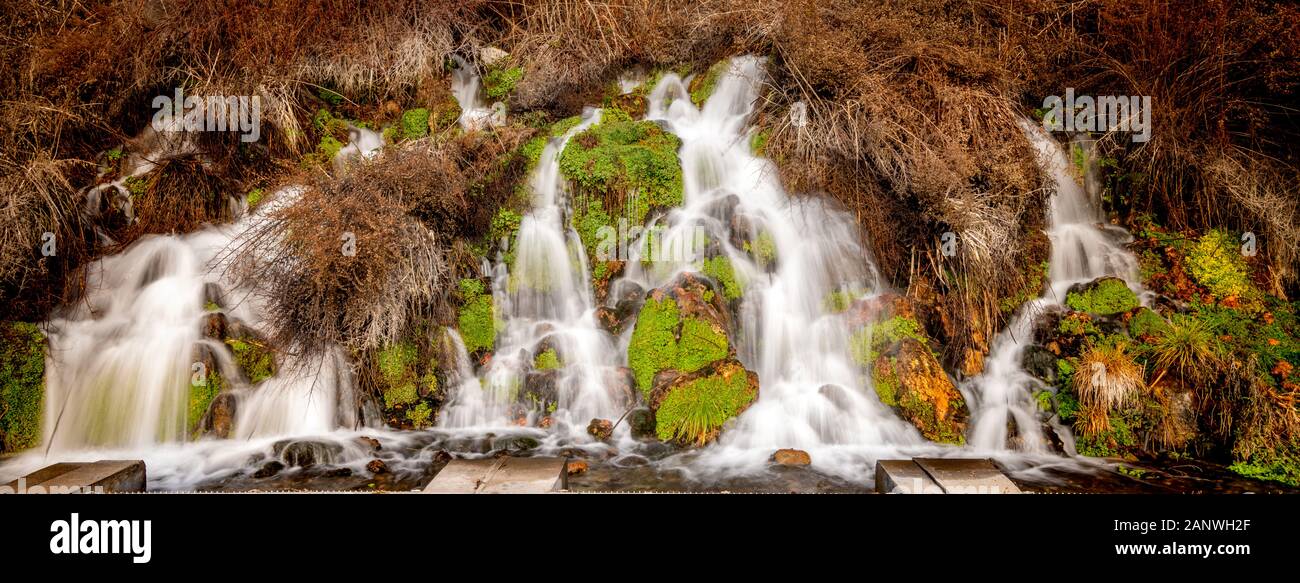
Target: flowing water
[122, 361]
[1083, 249]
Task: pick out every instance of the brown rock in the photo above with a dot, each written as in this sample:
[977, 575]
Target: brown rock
[791, 457]
[910, 379]
[601, 429]
[220, 418]
[576, 467]
[377, 467]
[371, 442]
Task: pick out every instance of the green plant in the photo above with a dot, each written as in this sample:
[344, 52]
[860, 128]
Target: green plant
[22, 385]
[415, 123]
[477, 319]
[694, 411]
[1106, 297]
[547, 360]
[1216, 262]
[624, 160]
[719, 269]
[1186, 346]
[500, 82]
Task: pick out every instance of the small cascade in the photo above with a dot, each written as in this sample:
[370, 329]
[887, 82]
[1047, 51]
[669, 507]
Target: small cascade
[122, 361]
[812, 395]
[467, 88]
[1083, 248]
[544, 303]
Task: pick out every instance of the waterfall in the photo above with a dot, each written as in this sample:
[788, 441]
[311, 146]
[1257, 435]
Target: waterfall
[121, 361]
[543, 298]
[467, 88]
[812, 394]
[1083, 249]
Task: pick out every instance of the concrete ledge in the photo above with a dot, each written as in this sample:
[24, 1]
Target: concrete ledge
[942, 476]
[107, 476]
[505, 475]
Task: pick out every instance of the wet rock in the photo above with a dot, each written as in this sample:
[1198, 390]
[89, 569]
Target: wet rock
[268, 469]
[219, 421]
[377, 466]
[601, 429]
[621, 386]
[609, 321]
[631, 460]
[791, 457]
[442, 456]
[212, 294]
[1039, 362]
[338, 473]
[642, 423]
[716, 394]
[214, 325]
[576, 467]
[540, 389]
[492, 56]
[837, 395]
[306, 453]
[370, 442]
[909, 379]
[515, 443]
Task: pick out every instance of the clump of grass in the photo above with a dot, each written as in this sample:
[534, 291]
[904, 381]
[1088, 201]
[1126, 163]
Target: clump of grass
[1107, 379]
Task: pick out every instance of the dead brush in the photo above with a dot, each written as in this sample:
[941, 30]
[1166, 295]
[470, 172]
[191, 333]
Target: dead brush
[1108, 380]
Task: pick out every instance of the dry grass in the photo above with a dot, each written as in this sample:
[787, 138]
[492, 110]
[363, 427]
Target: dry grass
[1108, 380]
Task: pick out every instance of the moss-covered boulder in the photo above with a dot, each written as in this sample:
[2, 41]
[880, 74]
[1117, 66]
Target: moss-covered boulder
[1105, 296]
[409, 385]
[477, 318]
[909, 379]
[22, 385]
[630, 167]
[683, 363]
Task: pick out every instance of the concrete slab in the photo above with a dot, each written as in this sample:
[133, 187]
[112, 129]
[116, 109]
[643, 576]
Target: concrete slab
[904, 477]
[41, 475]
[967, 476]
[504, 475]
[108, 476]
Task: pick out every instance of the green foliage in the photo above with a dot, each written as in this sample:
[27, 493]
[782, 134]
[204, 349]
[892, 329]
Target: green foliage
[1106, 297]
[115, 154]
[136, 185]
[532, 150]
[700, 344]
[563, 126]
[330, 97]
[22, 385]
[588, 217]
[201, 397]
[702, 87]
[1186, 346]
[885, 381]
[758, 142]
[719, 269]
[403, 394]
[420, 416]
[1284, 470]
[1032, 288]
[628, 158]
[254, 358]
[500, 82]
[415, 123]
[254, 197]
[395, 361]
[654, 341]
[693, 412]
[763, 249]
[837, 301]
[477, 319]
[1216, 263]
[1146, 322]
[1108, 443]
[867, 343]
[547, 360]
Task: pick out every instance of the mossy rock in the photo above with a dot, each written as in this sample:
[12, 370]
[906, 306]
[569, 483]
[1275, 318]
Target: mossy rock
[477, 318]
[620, 160]
[692, 409]
[681, 327]
[500, 81]
[1105, 296]
[445, 115]
[909, 379]
[703, 84]
[408, 381]
[22, 385]
[1146, 322]
[253, 356]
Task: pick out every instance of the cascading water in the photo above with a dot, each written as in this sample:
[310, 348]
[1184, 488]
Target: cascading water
[467, 88]
[813, 396]
[544, 299]
[1083, 248]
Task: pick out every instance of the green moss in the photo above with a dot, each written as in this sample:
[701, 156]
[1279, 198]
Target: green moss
[395, 362]
[1107, 297]
[1146, 322]
[547, 360]
[403, 394]
[700, 343]
[1285, 470]
[837, 301]
[563, 126]
[694, 411]
[115, 154]
[415, 123]
[1108, 443]
[762, 249]
[867, 343]
[421, 416]
[254, 358]
[621, 157]
[702, 86]
[588, 218]
[500, 82]
[477, 319]
[22, 385]
[532, 150]
[330, 97]
[1216, 262]
[447, 114]
[719, 269]
[758, 142]
[885, 382]
[136, 185]
[254, 197]
[654, 341]
[201, 397]
[1078, 325]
